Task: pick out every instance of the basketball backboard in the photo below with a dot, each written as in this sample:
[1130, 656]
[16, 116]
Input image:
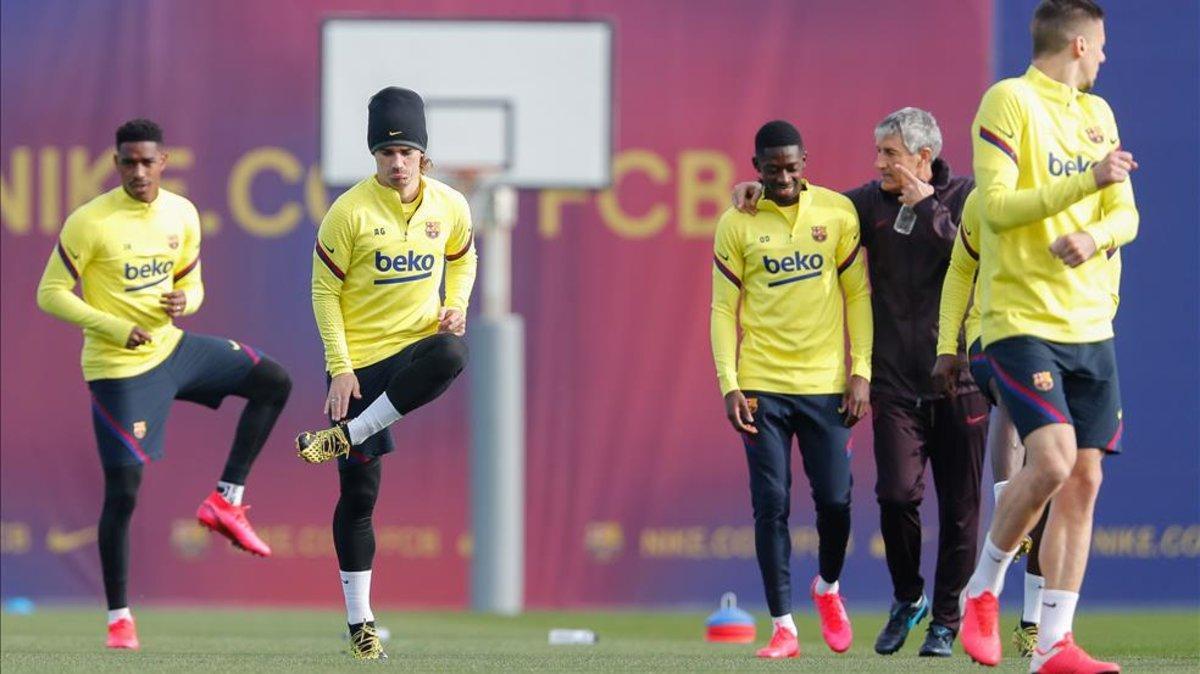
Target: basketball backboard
[530, 101]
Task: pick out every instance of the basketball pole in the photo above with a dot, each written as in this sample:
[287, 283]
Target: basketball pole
[497, 460]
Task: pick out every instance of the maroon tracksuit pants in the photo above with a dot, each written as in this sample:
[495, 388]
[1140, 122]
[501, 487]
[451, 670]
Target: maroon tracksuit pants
[950, 434]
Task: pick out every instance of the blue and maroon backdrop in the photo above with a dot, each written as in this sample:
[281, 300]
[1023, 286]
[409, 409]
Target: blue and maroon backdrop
[636, 486]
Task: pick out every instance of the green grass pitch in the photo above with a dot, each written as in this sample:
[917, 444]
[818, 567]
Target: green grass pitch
[176, 640]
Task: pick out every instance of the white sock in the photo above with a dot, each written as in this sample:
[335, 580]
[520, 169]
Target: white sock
[785, 621]
[232, 493]
[378, 416]
[356, 585]
[1058, 612]
[118, 614]
[822, 587]
[1033, 598]
[989, 574]
[998, 489]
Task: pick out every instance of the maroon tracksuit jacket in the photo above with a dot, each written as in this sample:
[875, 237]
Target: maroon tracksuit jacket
[912, 423]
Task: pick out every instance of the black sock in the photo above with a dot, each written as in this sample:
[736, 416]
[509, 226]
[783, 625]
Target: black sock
[266, 390]
[353, 533]
[120, 496]
[436, 362]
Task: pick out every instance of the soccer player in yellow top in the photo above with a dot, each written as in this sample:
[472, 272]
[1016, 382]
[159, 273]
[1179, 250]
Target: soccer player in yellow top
[959, 300]
[791, 266]
[392, 342]
[1056, 200]
[136, 249]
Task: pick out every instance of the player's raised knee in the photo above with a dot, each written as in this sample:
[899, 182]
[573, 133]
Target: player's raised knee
[450, 354]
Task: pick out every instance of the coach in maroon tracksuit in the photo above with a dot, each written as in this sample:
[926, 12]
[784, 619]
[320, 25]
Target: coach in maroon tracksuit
[913, 423]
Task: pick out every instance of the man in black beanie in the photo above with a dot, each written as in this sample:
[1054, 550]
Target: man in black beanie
[392, 341]
[792, 266]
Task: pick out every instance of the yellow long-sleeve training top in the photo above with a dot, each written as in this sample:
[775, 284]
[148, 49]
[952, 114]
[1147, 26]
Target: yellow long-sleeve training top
[378, 265]
[959, 288]
[126, 253]
[1035, 140]
[791, 274]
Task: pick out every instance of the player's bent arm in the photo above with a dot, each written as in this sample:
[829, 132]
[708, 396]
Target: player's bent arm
[996, 136]
[56, 296]
[956, 296]
[1006, 208]
[1119, 224]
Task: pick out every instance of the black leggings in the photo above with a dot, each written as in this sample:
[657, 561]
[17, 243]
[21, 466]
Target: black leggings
[266, 388]
[428, 370]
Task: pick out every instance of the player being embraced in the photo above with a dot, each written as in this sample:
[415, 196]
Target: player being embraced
[392, 344]
[1056, 203]
[791, 266]
[136, 250]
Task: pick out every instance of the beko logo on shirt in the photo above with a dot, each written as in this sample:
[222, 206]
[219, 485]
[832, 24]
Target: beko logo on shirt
[797, 261]
[157, 269]
[405, 262]
[1069, 166]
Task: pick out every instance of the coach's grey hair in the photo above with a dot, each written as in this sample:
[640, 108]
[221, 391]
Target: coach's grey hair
[916, 128]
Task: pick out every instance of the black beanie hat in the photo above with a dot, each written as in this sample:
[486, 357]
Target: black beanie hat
[396, 116]
[777, 133]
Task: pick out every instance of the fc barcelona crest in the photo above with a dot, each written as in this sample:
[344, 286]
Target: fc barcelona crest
[139, 429]
[1095, 134]
[1043, 381]
[819, 233]
[433, 229]
[173, 241]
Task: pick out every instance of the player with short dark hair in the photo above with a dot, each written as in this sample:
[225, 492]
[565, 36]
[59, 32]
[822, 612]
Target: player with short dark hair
[1056, 203]
[392, 344]
[136, 249]
[792, 266]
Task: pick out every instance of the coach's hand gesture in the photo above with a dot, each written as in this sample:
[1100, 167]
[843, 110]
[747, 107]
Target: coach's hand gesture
[737, 410]
[857, 400]
[912, 188]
